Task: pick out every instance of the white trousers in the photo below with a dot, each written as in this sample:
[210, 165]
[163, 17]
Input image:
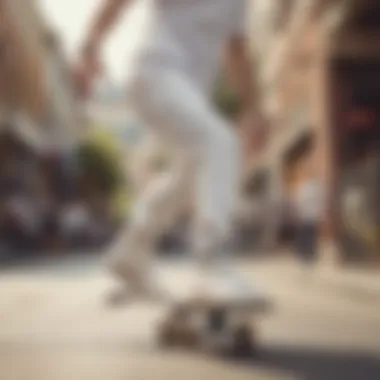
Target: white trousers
[206, 165]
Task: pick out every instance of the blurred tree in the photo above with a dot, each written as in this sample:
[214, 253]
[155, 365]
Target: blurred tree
[99, 166]
[101, 172]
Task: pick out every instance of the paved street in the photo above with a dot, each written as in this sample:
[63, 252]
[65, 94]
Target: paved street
[55, 326]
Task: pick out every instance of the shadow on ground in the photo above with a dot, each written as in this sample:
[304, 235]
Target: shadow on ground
[297, 363]
[312, 364]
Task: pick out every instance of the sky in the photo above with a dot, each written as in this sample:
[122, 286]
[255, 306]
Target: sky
[70, 19]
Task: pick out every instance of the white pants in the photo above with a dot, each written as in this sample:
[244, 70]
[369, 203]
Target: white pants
[206, 165]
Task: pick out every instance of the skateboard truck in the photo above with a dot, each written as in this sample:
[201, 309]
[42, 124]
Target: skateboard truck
[216, 321]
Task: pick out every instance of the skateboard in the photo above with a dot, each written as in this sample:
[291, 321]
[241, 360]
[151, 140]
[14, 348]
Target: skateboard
[219, 316]
[221, 321]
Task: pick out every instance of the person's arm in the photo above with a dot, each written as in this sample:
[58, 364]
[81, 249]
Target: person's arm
[241, 72]
[242, 75]
[88, 66]
[103, 21]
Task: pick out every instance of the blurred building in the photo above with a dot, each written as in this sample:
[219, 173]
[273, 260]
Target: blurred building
[34, 78]
[319, 67]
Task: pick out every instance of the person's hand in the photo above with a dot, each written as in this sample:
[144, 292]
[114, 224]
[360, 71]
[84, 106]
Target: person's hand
[255, 129]
[251, 118]
[86, 71]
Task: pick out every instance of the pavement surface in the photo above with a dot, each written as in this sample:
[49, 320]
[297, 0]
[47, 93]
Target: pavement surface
[55, 325]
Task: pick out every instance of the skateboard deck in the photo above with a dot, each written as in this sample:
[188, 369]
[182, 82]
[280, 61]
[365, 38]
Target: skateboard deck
[191, 290]
[225, 289]
[214, 311]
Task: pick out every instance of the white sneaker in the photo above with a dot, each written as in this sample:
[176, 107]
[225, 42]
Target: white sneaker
[224, 283]
[118, 297]
[138, 282]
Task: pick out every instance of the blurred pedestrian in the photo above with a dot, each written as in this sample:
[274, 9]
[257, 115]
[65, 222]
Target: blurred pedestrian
[309, 209]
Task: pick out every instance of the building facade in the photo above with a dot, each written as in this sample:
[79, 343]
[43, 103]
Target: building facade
[318, 64]
[35, 82]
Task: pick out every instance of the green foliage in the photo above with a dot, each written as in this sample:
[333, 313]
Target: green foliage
[226, 99]
[122, 204]
[100, 164]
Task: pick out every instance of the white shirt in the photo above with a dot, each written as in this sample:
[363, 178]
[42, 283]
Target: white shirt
[310, 202]
[186, 34]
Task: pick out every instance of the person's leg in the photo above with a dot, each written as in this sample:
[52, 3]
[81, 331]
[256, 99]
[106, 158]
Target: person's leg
[303, 242]
[217, 189]
[130, 257]
[313, 246]
[305, 249]
[184, 119]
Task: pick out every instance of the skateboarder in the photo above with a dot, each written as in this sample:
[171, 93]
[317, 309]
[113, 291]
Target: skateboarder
[173, 50]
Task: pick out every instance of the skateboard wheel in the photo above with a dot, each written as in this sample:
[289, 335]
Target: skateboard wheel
[188, 337]
[217, 320]
[178, 332]
[166, 335]
[243, 344]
